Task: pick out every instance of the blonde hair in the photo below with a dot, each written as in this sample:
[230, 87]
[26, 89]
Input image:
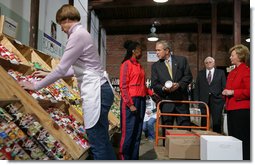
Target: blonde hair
[67, 12]
[241, 51]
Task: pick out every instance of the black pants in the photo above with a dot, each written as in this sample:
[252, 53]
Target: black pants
[215, 110]
[239, 127]
[169, 120]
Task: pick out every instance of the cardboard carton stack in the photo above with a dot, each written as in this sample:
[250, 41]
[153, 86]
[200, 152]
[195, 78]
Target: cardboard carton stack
[199, 145]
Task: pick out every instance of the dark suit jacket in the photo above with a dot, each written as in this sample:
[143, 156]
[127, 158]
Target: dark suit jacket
[181, 74]
[203, 89]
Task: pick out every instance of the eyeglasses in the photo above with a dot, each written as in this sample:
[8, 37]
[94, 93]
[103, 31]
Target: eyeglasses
[208, 62]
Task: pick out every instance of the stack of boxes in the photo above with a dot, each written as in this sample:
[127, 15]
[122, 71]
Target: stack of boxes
[201, 145]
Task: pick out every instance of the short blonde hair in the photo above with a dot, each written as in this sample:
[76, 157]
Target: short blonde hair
[67, 12]
[241, 51]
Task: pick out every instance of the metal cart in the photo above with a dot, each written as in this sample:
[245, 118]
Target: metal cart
[159, 149]
[159, 114]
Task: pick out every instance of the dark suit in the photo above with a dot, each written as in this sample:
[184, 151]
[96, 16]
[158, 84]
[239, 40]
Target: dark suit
[211, 94]
[182, 75]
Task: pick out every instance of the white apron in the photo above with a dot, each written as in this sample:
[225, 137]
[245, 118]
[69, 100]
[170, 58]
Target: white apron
[89, 83]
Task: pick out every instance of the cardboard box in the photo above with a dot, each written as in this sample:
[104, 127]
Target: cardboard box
[203, 132]
[182, 144]
[183, 147]
[177, 132]
[220, 148]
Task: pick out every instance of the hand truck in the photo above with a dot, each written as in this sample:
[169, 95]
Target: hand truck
[159, 114]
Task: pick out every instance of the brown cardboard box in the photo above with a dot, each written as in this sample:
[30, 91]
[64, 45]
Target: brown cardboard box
[183, 147]
[177, 132]
[203, 132]
[182, 144]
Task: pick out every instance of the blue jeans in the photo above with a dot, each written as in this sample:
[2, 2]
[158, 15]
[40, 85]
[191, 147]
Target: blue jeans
[148, 128]
[98, 135]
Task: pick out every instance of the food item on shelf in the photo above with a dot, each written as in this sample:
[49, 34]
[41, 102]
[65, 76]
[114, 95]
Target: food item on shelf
[6, 54]
[12, 143]
[55, 92]
[37, 142]
[72, 127]
[115, 108]
[37, 66]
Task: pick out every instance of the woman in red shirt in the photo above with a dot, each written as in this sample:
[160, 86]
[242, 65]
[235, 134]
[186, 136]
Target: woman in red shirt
[237, 94]
[133, 101]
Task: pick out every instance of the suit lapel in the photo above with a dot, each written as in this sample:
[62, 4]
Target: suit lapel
[214, 75]
[164, 69]
[174, 66]
[204, 76]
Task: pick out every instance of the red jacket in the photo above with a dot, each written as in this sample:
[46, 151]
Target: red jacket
[239, 81]
[132, 81]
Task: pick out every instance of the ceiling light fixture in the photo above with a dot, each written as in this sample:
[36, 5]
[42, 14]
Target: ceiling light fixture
[160, 1]
[153, 36]
[248, 40]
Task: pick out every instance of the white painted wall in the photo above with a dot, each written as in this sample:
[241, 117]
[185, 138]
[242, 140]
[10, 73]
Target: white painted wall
[48, 10]
[20, 7]
[18, 11]
[47, 13]
[82, 6]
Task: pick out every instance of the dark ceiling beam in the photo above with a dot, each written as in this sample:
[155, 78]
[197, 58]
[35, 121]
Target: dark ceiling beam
[164, 21]
[96, 4]
[147, 21]
[142, 3]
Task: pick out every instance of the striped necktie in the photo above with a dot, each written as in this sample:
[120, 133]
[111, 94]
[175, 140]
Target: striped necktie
[209, 77]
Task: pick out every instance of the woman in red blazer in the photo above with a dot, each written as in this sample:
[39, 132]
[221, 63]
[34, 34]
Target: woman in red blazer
[237, 94]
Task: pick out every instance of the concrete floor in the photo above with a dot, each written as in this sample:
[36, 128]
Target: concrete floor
[147, 151]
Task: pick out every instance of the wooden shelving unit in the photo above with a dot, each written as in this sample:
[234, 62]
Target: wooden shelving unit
[10, 87]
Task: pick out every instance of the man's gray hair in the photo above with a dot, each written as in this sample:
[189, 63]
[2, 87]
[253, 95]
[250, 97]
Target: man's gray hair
[166, 45]
[209, 58]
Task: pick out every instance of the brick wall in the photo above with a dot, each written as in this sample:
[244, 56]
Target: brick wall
[182, 45]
